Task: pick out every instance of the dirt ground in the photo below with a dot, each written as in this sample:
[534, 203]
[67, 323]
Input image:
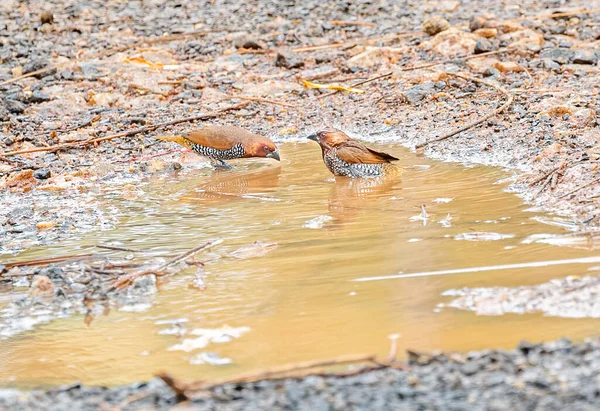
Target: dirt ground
[84, 88]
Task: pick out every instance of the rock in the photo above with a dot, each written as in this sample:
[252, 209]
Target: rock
[377, 56]
[54, 273]
[288, 59]
[196, 83]
[559, 55]
[470, 368]
[481, 22]
[509, 67]
[249, 43]
[487, 33]
[586, 57]
[35, 65]
[47, 17]
[42, 174]
[435, 25]
[14, 106]
[418, 93]
[143, 286]
[20, 212]
[77, 287]
[90, 71]
[483, 45]
[527, 38]
[452, 42]
[491, 72]
[39, 97]
[41, 286]
[550, 64]
[4, 116]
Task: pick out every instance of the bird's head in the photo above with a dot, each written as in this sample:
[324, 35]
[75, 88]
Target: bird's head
[329, 138]
[261, 146]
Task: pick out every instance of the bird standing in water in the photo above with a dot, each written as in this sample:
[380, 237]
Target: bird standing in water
[220, 143]
[346, 157]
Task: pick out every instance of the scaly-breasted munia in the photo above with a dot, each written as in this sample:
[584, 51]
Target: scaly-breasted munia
[349, 158]
[220, 143]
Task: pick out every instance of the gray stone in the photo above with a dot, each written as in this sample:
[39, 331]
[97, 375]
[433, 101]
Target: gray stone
[550, 64]
[4, 114]
[42, 174]
[483, 45]
[418, 93]
[14, 106]
[586, 57]
[491, 72]
[288, 59]
[35, 65]
[39, 97]
[559, 55]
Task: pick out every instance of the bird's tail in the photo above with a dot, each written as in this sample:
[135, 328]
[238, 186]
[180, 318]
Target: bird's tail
[181, 140]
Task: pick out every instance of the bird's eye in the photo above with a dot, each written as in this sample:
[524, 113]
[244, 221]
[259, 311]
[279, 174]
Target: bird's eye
[267, 149]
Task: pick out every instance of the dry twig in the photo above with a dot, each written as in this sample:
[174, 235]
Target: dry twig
[507, 103]
[262, 100]
[46, 261]
[286, 371]
[417, 67]
[128, 280]
[128, 133]
[597, 180]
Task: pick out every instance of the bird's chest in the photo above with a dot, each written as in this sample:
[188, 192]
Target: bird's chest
[237, 151]
[342, 168]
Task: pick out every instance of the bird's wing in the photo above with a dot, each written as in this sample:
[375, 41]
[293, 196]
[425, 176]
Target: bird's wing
[219, 137]
[354, 152]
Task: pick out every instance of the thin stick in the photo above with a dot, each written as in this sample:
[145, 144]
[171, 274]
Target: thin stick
[111, 247]
[128, 133]
[534, 264]
[509, 100]
[580, 188]
[417, 67]
[354, 42]
[545, 175]
[262, 100]
[186, 254]
[46, 261]
[556, 15]
[128, 280]
[350, 23]
[198, 385]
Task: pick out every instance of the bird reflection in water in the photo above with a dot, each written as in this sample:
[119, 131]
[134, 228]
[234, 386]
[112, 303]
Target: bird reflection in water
[224, 186]
[349, 198]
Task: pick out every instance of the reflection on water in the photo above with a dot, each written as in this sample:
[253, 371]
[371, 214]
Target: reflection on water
[298, 299]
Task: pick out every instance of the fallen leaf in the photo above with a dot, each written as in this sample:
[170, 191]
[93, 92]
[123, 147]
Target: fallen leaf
[141, 60]
[338, 87]
[44, 225]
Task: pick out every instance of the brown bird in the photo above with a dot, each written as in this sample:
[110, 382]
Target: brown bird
[349, 158]
[220, 143]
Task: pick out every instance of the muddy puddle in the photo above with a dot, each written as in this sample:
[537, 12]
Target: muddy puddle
[295, 298]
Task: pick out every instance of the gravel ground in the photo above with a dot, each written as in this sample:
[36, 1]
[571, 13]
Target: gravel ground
[552, 376]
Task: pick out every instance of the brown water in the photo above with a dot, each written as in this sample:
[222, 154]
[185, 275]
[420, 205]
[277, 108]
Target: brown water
[299, 301]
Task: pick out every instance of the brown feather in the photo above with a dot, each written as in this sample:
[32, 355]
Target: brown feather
[354, 152]
[224, 137]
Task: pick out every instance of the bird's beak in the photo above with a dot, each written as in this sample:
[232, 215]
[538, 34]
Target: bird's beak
[275, 155]
[313, 137]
